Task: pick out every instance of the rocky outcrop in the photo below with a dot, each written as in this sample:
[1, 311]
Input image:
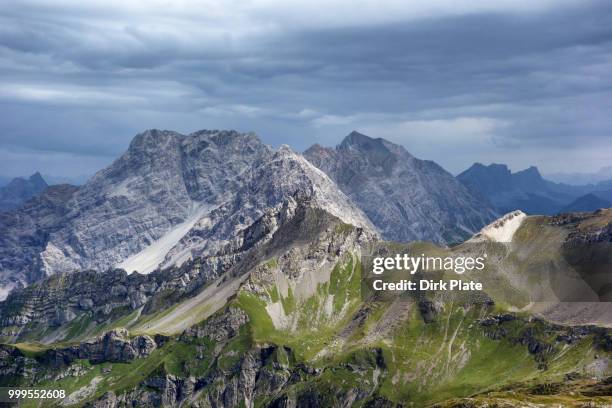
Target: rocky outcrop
[114, 346]
[406, 198]
[25, 233]
[14, 364]
[98, 297]
[541, 338]
[220, 327]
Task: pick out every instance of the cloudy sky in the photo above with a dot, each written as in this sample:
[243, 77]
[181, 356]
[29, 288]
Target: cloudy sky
[515, 81]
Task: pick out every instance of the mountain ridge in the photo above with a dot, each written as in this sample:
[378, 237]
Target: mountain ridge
[526, 190]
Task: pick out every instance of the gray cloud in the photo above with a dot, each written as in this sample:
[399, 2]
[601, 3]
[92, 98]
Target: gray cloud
[506, 81]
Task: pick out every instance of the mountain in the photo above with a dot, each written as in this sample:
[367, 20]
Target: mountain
[589, 202]
[19, 190]
[168, 198]
[525, 190]
[406, 198]
[286, 324]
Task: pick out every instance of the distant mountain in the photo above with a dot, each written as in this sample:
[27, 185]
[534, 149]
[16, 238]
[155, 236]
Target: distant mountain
[406, 198]
[525, 190]
[587, 203]
[19, 190]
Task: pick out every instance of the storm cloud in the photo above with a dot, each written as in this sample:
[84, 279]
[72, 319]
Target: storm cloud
[455, 82]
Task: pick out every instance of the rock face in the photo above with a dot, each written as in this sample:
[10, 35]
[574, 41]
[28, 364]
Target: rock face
[165, 180]
[220, 327]
[406, 198]
[19, 190]
[169, 198]
[59, 300]
[25, 233]
[114, 346]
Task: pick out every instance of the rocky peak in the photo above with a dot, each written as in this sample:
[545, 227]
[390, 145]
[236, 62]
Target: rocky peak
[406, 198]
[529, 179]
[37, 179]
[525, 189]
[152, 139]
[361, 141]
[20, 190]
[487, 179]
[162, 183]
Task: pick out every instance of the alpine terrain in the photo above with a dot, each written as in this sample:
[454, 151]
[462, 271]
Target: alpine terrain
[168, 198]
[250, 285]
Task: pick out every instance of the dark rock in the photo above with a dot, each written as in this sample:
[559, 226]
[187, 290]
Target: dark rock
[113, 346]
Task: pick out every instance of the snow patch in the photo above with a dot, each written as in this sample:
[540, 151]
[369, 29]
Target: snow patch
[503, 229]
[147, 260]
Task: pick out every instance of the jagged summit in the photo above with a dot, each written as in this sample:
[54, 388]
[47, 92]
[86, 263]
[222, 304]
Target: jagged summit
[359, 140]
[406, 198]
[494, 178]
[377, 148]
[526, 189]
[37, 178]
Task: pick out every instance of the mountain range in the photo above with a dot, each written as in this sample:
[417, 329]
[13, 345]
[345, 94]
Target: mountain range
[211, 270]
[528, 191]
[171, 197]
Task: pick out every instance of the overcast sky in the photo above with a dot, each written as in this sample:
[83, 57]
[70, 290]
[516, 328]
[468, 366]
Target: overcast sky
[513, 81]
